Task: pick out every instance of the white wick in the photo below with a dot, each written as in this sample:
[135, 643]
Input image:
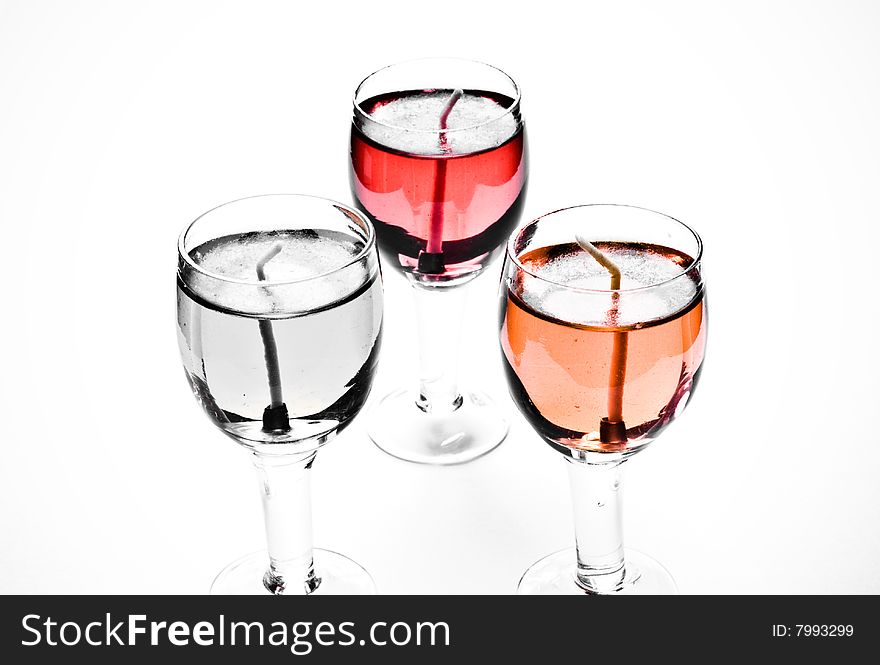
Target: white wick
[603, 260]
[269, 347]
[261, 264]
[617, 376]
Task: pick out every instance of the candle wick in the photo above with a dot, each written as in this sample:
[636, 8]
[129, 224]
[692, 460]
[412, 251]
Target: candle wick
[444, 116]
[261, 264]
[431, 260]
[603, 260]
[612, 429]
[275, 415]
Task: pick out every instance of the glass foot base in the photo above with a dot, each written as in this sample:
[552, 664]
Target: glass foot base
[403, 430]
[339, 575]
[555, 575]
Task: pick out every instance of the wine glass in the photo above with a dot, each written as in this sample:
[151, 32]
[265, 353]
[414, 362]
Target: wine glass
[603, 332]
[438, 163]
[279, 315]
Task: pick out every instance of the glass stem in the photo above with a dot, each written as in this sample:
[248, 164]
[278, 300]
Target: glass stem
[439, 313]
[598, 524]
[287, 509]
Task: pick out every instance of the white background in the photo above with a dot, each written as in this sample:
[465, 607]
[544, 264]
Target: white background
[756, 122]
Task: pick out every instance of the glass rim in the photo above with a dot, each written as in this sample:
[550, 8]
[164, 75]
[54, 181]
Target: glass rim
[694, 263]
[507, 111]
[369, 243]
